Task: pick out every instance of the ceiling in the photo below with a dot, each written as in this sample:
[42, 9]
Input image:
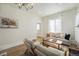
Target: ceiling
[45, 9]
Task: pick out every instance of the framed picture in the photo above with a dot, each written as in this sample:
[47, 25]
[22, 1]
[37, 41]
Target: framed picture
[7, 23]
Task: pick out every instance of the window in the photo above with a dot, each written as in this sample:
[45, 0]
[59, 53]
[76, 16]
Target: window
[58, 25]
[55, 25]
[51, 26]
[77, 20]
[38, 26]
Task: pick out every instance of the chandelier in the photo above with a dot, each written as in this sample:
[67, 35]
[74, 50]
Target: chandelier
[26, 6]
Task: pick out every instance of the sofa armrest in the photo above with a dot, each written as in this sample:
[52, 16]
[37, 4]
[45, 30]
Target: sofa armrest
[49, 51]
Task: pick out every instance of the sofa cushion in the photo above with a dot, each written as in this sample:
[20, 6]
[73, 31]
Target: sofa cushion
[49, 51]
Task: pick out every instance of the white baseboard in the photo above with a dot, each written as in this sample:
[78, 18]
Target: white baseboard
[3, 47]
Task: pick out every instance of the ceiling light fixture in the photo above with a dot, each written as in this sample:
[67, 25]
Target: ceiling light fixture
[26, 6]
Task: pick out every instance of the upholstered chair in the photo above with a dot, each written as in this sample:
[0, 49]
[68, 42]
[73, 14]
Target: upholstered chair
[30, 48]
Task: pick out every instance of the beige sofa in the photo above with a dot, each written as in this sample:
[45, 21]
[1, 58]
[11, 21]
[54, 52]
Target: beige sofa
[37, 49]
[47, 51]
[58, 36]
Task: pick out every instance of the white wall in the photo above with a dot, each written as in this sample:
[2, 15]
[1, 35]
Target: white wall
[68, 21]
[77, 28]
[26, 26]
[44, 24]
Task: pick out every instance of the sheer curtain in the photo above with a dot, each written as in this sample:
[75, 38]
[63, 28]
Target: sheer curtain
[77, 20]
[58, 25]
[55, 25]
[51, 25]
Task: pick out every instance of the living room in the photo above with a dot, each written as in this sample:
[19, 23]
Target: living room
[40, 21]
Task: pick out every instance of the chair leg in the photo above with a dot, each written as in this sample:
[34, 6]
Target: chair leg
[25, 52]
[30, 52]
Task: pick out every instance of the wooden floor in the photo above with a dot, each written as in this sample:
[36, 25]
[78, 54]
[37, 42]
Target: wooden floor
[15, 51]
